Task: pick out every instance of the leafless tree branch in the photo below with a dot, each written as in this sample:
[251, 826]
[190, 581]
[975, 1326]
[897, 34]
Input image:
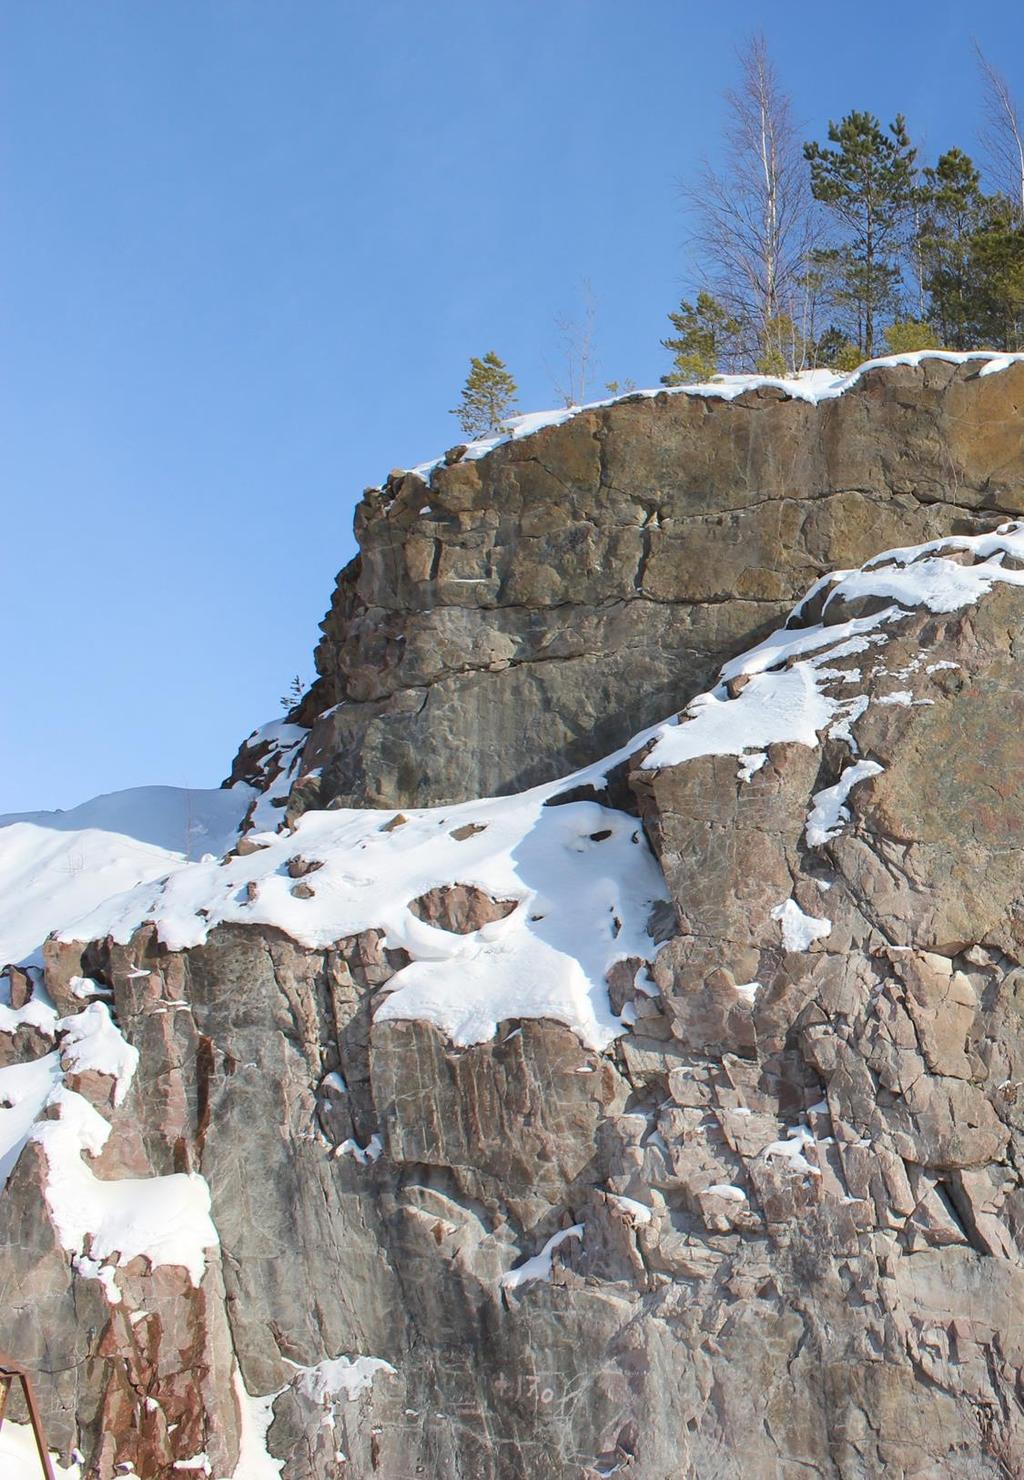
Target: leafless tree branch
[577, 335]
[755, 214]
[1002, 138]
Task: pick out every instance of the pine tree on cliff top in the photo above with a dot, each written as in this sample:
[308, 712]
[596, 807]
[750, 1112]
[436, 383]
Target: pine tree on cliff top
[488, 397]
[867, 181]
[705, 340]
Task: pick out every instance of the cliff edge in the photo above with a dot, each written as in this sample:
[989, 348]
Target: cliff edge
[521, 607]
[654, 1116]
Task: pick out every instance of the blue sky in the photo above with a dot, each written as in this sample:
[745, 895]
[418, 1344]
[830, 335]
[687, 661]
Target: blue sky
[248, 249]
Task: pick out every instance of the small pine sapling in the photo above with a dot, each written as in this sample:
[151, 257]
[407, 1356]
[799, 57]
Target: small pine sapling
[292, 695]
[488, 397]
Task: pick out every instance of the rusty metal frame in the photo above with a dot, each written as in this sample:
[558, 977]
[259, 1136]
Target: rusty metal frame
[10, 1373]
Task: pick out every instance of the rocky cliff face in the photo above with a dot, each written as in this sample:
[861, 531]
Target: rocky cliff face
[517, 615]
[661, 1122]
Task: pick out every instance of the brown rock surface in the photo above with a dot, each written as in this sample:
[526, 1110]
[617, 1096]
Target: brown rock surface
[526, 613]
[791, 1193]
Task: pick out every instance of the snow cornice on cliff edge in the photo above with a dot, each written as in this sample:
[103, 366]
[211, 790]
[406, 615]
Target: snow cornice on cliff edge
[811, 386]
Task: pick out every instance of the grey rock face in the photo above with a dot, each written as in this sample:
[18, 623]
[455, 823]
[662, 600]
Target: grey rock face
[797, 1174]
[526, 613]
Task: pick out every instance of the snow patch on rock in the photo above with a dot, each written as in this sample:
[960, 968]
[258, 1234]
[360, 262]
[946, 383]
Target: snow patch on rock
[166, 1220]
[829, 813]
[19, 1457]
[341, 1377]
[91, 1041]
[539, 1266]
[799, 931]
[56, 866]
[24, 1090]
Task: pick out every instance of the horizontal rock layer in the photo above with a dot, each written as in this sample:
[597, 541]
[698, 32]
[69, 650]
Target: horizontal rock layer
[525, 613]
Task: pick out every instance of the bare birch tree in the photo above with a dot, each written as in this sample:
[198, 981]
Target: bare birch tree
[755, 215]
[577, 336]
[1002, 137]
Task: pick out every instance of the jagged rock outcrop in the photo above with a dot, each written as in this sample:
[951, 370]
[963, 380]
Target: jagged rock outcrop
[767, 1219]
[512, 617]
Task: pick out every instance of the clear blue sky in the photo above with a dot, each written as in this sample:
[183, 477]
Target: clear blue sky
[248, 247]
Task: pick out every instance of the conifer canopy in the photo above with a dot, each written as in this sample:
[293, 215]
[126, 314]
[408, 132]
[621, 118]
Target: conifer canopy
[488, 397]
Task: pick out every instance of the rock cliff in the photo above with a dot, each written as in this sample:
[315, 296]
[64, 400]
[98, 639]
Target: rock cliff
[659, 1120]
[515, 615]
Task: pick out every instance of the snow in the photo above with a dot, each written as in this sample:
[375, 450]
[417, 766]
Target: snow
[777, 704]
[726, 1190]
[94, 1269]
[792, 1150]
[751, 764]
[91, 1041]
[19, 1457]
[799, 931]
[638, 1211]
[56, 866]
[364, 1155]
[102, 1223]
[539, 1266]
[340, 1377]
[255, 1417]
[771, 708]
[178, 820]
[277, 768]
[785, 697]
[38, 1011]
[829, 812]
[24, 1090]
[748, 990]
[936, 583]
[583, 875]
[842, 729]
[813, 386]
[997, 363]
[164, 1219]
[84, 987]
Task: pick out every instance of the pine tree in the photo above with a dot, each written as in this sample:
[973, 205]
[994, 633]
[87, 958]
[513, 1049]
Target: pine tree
[996, 278]
[706, 337]
[953, 210]
[904, 336]
[488, 397]
[835, 351]
[867, 181]
[971, 247]
[293, 694]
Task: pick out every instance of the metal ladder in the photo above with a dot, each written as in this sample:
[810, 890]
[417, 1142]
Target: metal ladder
[10, 1373]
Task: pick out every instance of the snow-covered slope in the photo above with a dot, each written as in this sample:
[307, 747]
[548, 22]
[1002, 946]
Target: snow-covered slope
[581, 875]
[56, 866]
[174, 818]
